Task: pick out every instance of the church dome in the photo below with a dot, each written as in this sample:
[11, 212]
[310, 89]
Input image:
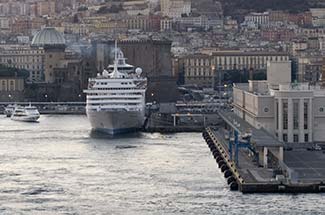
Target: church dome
[48, 37]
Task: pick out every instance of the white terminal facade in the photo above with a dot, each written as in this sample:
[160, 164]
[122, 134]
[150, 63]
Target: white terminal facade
[292, 112]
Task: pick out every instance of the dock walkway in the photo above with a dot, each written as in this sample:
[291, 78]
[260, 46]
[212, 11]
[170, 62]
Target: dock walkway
[299, 171]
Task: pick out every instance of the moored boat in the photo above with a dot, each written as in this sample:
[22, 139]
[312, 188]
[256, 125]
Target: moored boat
[25, 114]
[9, 110]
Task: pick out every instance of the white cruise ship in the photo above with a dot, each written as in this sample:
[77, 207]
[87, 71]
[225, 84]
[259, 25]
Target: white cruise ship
[116, 98]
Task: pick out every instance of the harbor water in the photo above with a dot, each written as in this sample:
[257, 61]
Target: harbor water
[58, 166]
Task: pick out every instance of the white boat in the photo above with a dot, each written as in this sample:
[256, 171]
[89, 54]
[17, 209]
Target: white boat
[9, 110]
[116, 99]
[26, 114]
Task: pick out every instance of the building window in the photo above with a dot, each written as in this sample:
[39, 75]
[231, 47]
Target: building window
[321, 109]
[306, 138]
[3, 85]
[296, 114]
[285, 138]
[285, 115]
[305, 115]
[266, 110]
[295, 138]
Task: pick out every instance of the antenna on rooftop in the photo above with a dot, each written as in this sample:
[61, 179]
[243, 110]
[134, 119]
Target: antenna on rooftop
[115, 56]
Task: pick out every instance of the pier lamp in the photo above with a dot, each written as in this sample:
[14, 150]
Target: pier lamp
[213, 70]
[226, 90]
[152, 96]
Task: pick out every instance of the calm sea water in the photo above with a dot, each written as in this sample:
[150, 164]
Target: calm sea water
[58, 166]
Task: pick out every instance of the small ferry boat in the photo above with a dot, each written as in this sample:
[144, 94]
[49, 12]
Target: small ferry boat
[26, 114]
[9, 110]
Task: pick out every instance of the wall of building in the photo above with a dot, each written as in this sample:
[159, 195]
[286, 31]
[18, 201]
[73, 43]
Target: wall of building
[279, 72]
[291, 114]
[154, 57]
[24, 57]
[238, 96]
[53, 56]
[198, 67]
[319, 119]
[265, 116]
[11, 89]
[198, 70]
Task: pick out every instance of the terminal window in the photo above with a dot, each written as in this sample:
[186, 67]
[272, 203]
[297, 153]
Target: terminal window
[295, 138]
[306, 138]
[285, 137]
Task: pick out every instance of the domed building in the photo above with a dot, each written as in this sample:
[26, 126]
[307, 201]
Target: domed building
[54, 46]
[48, 37]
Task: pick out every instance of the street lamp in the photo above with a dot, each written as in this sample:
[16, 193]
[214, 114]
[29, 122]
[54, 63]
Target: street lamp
[152, 95]
[219, 72]
[213, 68]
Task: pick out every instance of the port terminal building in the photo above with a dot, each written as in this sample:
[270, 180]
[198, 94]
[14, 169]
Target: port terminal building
[290, 112]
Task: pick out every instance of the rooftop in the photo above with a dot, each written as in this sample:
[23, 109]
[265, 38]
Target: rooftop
[259, 136]
[48, 36]
[262, 88]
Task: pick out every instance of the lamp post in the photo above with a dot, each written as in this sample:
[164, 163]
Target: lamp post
[219, 72]
[152, 96]
[226, 89]
[213, 69]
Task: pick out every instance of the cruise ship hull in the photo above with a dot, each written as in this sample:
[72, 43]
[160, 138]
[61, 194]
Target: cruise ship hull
[113, 122]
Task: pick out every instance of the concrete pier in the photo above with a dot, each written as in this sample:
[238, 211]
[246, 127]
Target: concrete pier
[258, 163]
[177, 122]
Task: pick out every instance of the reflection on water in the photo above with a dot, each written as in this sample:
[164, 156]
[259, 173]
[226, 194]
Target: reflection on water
[100, 135]
[58, 166]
